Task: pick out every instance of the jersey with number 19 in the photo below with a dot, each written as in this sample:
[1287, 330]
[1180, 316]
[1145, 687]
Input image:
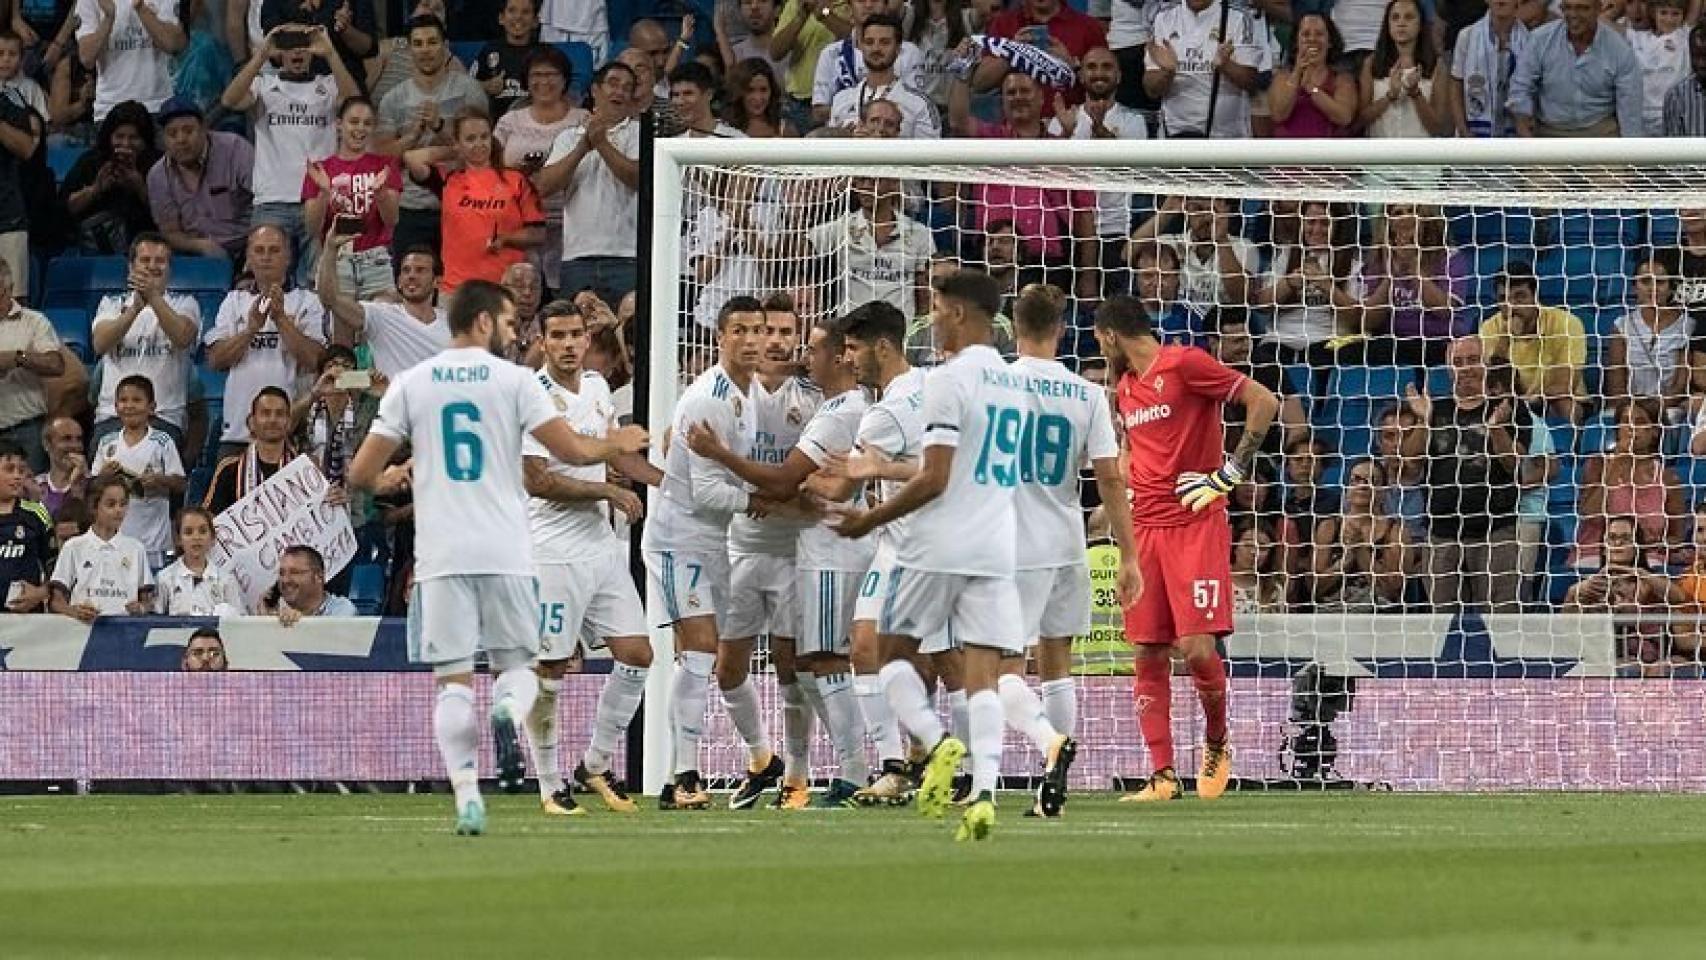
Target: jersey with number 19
[1067, 426]
[1171, 415]
[465, 412]
[954, 567]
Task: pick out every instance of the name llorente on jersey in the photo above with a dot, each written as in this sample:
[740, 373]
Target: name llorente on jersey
[1143, 415]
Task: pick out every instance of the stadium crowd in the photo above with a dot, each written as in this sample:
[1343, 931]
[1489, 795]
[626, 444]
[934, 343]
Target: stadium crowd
[1473, 415]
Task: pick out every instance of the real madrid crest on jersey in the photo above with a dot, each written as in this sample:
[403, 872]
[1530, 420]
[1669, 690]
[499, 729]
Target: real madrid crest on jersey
[795, 418]
[124, 563]
[736, 401]
[17, 533]
[562, 405]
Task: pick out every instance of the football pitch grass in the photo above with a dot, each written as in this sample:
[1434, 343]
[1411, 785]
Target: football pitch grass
[1316, 876]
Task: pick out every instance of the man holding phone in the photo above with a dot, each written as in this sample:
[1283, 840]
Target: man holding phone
[292, 112]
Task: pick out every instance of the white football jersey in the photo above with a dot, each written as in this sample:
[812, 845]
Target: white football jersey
[149, 519]
[1067, 425]
[465, 411]
[698, 496]
[580, 531]
[778, 419]
[832, 432]
[894, 427]
[211, 593]
[975, 404]
[106, 574]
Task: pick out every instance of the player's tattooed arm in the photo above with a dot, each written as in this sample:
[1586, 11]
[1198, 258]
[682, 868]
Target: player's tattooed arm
[1261, 406]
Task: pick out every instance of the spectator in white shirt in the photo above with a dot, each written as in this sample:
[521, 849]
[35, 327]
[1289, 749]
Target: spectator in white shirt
[725, 249]
[130, 46]
[577, 21]
[29, 350]
[1185, 53]
[881, 253]
[147, 458]
[146, 331]
[840, 65]
[1663, 54]
[302, 588]
[401, 333]
[265, 336]
[879, 46]
[13, 84]
[1215, 263]
[1101, 117]
[195, 586]
[597, 165]
[692, 90]
[103, 573]
[293, 112]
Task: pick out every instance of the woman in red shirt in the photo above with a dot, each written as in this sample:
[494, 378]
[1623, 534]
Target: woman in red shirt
[490, 215]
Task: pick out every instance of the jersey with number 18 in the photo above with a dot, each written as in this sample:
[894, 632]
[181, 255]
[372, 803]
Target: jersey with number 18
[976, 404]
[465, 412]
[1067, 425]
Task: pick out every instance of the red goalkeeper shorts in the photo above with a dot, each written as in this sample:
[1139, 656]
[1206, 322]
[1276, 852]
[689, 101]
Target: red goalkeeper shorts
[1187, 581]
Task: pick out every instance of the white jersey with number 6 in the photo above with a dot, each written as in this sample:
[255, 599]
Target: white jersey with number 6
[975, 404]
[465, 412]
[1068, 424]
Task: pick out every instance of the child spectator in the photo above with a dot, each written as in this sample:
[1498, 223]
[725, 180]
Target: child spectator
[147, 458]
[27, 531]
[501, 66]
[194, 586]
[1661, 48]
[103, 573]
[13, 84]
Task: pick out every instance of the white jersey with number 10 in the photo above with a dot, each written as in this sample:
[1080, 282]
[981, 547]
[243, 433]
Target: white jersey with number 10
[465, 412]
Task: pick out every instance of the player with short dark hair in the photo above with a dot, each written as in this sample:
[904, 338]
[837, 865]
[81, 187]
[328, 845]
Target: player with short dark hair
[26, 536]
[1169, 401]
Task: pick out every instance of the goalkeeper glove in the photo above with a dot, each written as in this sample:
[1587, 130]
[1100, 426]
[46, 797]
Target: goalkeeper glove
[1197, 491]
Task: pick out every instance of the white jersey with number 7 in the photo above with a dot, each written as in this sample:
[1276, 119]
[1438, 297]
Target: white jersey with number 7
[465, 413]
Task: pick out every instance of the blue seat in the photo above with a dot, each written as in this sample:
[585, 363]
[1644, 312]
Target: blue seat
[61, 159]
[580, 61]
[82, 281]
[465, 51]
[201, 275]
[72, 326]
[367, 588]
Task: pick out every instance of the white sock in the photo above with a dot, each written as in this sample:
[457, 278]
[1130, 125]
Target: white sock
[987, 731]
[911, 702]
[796, 727]
[687, 706]
[1060, 702]
[880, 725]
[617, 702]
[541, 727]
[520, 687]
[841, 711]
[1025, 712]
[457, 729]
[748, 718]
[959, 720]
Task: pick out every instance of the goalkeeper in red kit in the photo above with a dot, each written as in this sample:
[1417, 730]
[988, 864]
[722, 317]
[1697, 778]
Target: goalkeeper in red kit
[1168, 404]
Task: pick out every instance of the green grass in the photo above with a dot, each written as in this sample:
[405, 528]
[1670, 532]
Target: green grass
[1349, 875]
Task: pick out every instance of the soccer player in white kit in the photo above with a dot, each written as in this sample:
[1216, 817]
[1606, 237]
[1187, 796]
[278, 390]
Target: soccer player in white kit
[464, 413]
[954, 566]
[686, 550]
[586, 595]
[762, 595]
[830, 568]
[1069, 424]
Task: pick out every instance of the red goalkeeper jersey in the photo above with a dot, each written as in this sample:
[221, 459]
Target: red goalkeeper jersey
[1171, 417]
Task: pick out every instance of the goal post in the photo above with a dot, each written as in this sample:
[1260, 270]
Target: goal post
[1585, 207]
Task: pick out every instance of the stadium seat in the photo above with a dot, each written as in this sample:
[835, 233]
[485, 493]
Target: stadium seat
[201, 275]
[580, 61]
[465, 51]
[82, 281]
[72, 326]
[61, 159]
[367, 588]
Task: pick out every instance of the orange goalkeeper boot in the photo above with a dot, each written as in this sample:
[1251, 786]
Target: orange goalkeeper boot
[1162, 785]
[1215, 772]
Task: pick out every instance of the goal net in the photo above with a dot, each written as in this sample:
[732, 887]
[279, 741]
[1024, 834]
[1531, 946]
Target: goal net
[1466, 559]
